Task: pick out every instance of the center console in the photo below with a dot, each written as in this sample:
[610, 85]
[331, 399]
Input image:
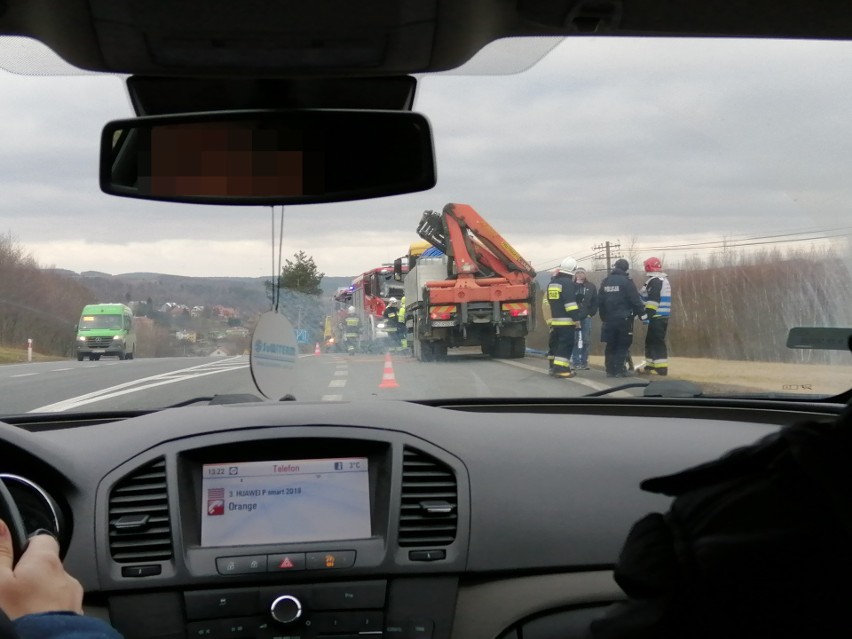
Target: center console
[292, 537]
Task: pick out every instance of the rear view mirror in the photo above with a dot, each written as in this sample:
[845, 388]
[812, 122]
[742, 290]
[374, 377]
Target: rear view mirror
[820, 338]
[268, 157]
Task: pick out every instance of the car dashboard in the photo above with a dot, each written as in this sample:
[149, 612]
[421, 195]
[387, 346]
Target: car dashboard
[373, 519]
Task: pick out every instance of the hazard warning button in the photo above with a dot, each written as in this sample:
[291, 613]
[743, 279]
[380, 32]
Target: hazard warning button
[285, 563]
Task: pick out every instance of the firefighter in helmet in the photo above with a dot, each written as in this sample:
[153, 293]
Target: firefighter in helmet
[564, 314]
[352, 330]
[657, 295]
[392, 327]
[551, 336]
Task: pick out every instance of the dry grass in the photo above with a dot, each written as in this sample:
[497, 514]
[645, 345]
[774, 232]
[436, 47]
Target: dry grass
[717, 375]
[19, 355]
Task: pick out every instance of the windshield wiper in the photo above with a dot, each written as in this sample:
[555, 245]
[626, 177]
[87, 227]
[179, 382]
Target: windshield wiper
[620, 387]
[656, 388]
[226, 398]
[232, 398]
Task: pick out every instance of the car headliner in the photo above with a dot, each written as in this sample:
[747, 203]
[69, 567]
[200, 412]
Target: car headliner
[269, 38]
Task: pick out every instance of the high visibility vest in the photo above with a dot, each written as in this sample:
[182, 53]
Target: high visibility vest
[663, 306]
[353, 326]
[545, 309]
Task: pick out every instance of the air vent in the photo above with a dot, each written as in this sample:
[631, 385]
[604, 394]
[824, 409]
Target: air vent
[139, 528]
[428, 516]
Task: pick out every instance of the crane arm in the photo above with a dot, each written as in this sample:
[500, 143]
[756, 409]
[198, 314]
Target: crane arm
[473, 244]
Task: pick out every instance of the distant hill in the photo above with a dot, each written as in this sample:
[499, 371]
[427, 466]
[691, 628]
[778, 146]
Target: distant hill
[245, 293]
[64, 272]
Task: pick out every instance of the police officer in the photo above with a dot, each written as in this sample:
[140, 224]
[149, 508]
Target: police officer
[657, 294]
[391, 316]
[618, 303]
[564, 313]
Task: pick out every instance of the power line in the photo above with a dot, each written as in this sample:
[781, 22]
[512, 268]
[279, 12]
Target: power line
[739, 244]
[554, 261]
[739, 241]
[608, 251]
[728, 243]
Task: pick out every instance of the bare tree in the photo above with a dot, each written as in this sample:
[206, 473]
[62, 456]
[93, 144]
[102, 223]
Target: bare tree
[632, 253]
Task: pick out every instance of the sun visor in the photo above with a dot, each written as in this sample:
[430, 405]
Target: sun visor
[265, 37]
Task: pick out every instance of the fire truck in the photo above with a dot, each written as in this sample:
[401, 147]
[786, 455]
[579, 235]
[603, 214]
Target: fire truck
[477, 290]
[370, 292]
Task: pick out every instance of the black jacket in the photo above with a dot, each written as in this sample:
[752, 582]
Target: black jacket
[391, 313]
[562, 295]
[755, 545]
[618, 298]
[587, 298]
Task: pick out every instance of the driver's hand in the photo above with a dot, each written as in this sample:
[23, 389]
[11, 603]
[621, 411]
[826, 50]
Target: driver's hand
[38, 583]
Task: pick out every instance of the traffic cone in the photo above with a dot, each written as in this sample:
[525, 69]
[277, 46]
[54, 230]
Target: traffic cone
[388, 378]
[317, 350]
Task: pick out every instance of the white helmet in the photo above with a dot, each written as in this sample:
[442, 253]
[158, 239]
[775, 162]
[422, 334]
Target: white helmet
[352, 310]
[568, 265]
[392, 300]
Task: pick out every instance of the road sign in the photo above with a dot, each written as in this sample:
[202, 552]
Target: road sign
[302, 335]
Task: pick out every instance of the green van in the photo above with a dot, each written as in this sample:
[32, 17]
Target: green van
[106, 329]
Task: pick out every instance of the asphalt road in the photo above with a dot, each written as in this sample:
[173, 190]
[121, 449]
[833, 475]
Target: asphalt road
[110, 384]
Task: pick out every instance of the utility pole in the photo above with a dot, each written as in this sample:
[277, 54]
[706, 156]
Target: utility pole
[608, 251]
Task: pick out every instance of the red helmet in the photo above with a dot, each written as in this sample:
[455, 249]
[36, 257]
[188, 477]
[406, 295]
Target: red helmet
[653, 265]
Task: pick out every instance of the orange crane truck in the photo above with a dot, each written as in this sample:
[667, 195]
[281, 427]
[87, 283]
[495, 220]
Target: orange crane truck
[480, 292]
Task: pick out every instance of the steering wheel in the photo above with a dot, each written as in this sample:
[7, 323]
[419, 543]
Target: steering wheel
[10, 514]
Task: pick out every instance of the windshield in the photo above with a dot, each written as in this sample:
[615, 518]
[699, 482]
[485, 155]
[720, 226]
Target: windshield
[88, 322]
[717, 170]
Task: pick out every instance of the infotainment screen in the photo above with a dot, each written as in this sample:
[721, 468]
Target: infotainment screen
[299, 500]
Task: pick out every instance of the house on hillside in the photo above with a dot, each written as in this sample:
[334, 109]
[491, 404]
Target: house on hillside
[143, 322]
[225, 312]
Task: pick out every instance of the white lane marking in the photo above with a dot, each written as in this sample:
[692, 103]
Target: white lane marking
[337, 383]
[143, 383]
[56, 370]
[482, 389]
[332, 398]
[341, 373]
[24, 375]
[576, 380]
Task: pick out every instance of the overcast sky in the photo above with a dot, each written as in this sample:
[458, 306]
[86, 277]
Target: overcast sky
[655, 142]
